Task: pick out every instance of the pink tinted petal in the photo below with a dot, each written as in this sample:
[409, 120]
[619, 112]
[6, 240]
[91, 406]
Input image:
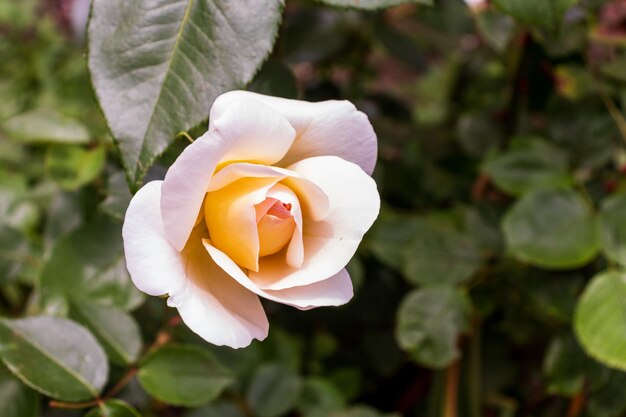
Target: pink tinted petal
[154, 265]
[295, 251]
[214, 305]
[323, 128]
[333, 293]
[328, 244]
[246, 130]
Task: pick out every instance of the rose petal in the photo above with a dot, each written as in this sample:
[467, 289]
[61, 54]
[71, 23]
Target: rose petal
[328, 244]
[323, 128]
[333, 291]
[231, 217]
[154, 265]
[210, 302]
[246, 130]
[295, 251]
[213, 304]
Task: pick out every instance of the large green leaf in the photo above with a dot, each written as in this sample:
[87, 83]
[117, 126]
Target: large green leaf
[600, 319]
[529, 164]
[183, 375]
[552, 229]
[547, 14]
[113, 408]
[157, 65]
[16, 399]
[57, 357]
[372, 4]
[89, 263]
[274, 390]
[430, 321]
[613, 228]
[117, 331]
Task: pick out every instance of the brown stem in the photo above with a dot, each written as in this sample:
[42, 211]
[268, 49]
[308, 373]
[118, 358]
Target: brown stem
[576, 404]
[75, 406]
[451, 395]
[163, 337]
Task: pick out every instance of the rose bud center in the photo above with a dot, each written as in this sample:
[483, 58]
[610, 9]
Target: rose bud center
[275, 225]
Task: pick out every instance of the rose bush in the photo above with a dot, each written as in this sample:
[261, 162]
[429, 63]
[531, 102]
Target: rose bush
[272, 201]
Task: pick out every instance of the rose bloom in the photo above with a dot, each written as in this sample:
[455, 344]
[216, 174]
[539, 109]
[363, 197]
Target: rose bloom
[272, 201]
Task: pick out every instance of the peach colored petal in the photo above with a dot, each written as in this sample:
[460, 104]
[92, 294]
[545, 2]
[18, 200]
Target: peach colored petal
[246, 130]
[323, 128]
[231, 218]
[312, 198]
[328, 244]
[295, 251]
[211, 303]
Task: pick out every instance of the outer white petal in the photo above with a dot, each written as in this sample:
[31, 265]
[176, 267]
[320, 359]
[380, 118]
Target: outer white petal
[154, 265]
[323, 128]
[246, 130]
[211, 303]
[214, 305]
[328, 244]
[334, 291]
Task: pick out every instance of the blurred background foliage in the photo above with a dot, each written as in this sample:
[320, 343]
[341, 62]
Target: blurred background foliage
[493, 283]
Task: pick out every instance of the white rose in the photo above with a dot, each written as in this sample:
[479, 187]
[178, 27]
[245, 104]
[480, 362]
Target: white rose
[272, 201]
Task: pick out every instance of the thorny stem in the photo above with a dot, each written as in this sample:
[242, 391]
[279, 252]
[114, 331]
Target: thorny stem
[162, 338]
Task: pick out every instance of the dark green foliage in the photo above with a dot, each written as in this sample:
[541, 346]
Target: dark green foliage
[496, 267]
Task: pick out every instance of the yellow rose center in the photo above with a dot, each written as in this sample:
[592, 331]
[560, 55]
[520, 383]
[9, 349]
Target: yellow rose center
[275, 225]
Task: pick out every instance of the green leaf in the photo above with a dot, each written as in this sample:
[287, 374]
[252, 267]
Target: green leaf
[566, 368]
[552, 229]
[158, 65]
[54, 356]
[600, 319]
[430, 321]
[530, 164]
[73, 166]
[613, 228]
[273, 391]
[319, 398]
[16, 399]
[547, 14]
[372, 4]
[427, 253]
[117, 331]
[89, 263]
[183, 375]
[45, 126]
[609, 401]
[113, 408]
